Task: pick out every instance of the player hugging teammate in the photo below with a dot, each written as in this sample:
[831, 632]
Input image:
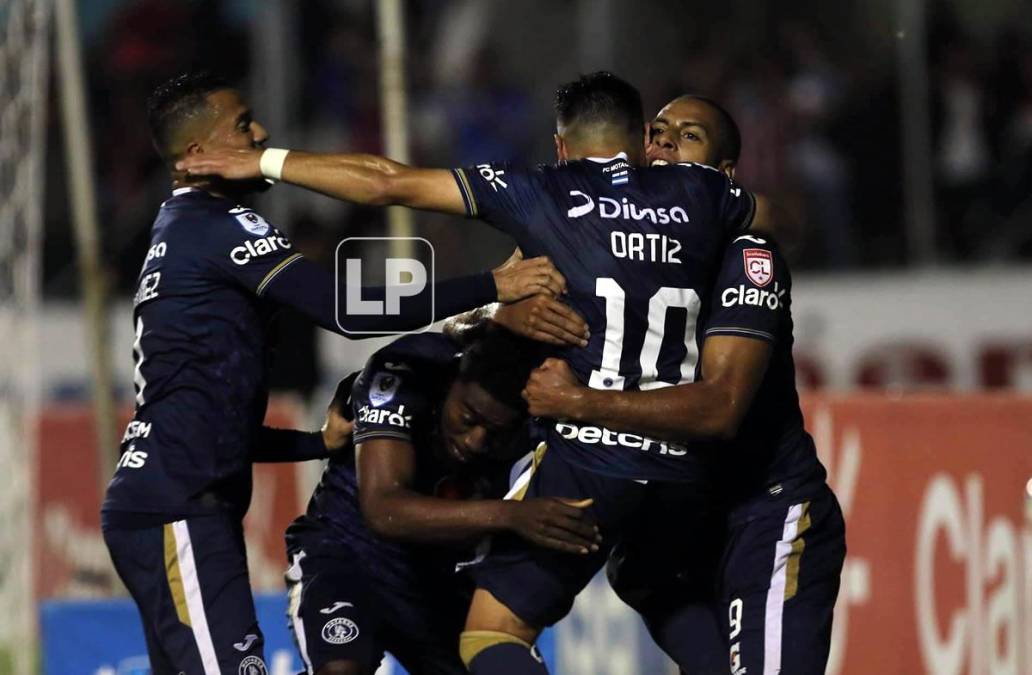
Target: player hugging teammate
[676, 421]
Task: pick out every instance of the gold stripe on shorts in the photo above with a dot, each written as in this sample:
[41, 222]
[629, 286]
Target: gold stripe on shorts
[175, 577]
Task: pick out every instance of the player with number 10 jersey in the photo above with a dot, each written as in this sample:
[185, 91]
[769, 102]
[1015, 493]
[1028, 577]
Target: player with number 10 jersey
[640, 249]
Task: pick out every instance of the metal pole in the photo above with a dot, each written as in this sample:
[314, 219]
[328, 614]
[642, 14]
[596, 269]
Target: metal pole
[78, 155]
[918, 168]
[391, 33]
[273, 40]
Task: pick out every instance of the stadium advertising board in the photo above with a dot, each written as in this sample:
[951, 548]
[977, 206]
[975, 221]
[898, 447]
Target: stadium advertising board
[938, 577]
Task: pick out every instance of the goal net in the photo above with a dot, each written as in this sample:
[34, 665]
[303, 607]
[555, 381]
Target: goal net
[24, 51]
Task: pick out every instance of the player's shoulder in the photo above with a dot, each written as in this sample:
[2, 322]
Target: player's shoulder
[756, 259]
[200, 213]
[413, 360]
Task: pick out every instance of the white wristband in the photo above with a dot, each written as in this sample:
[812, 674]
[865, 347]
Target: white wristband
[271, 162]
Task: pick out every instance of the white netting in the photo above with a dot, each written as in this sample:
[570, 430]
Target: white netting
[24, 49]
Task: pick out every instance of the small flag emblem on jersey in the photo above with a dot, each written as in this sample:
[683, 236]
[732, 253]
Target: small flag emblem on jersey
[759, 265]
[621, 177]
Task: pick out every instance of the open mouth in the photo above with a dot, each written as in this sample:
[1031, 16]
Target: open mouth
[455, 451]
[659, 162]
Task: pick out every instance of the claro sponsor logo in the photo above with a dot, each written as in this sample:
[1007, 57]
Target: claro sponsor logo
[603, 436]
[980, 625]
[396, 418]
[609, 208]
[250, 249]
[753, 297]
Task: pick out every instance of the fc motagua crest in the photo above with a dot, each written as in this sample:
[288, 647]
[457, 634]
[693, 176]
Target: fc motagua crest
[252, 665]
[339, 631]
[759, 265]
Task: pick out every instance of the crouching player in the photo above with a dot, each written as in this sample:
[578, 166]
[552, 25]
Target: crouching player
[372, 561]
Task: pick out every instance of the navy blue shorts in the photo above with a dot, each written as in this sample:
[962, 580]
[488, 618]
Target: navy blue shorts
[779, 581]
[338, 612]
[539, 584]
[667, 570]
[189, 580]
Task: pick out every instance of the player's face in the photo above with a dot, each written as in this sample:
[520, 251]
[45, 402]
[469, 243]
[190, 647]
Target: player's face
[233, 126]
[474, 424]
[685, 130]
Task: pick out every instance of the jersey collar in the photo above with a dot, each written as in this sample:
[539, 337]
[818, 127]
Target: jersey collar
[606, 160]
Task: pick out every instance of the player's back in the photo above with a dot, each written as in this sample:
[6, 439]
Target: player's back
[640, 249]
[200, 359]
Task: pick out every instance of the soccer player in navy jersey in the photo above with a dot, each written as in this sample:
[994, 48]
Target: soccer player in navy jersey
[781, 555]
[373, 558]
[640, 249]
[210, 284]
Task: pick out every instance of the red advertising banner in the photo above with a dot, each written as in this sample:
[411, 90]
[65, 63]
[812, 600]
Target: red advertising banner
[935, 490]
[938, 578]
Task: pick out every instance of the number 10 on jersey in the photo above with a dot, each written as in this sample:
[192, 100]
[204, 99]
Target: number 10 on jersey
[607, 375]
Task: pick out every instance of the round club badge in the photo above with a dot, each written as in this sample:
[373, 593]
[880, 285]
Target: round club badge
[339, 631]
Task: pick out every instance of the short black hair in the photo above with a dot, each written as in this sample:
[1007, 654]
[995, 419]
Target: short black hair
[600, 98]
[174, 101]
[729, 143]
[500, 362]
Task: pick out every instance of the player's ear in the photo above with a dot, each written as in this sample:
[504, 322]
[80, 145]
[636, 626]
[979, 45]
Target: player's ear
[560, 148]
[193, 148]
[728, 167]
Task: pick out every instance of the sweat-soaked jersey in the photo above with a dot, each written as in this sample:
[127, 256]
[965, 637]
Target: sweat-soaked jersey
[640, 249]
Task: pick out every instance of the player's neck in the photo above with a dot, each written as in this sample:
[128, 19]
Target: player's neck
[179, 181]
[599, 149]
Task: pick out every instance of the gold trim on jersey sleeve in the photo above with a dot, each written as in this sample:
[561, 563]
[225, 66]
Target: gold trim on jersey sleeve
[283, 264]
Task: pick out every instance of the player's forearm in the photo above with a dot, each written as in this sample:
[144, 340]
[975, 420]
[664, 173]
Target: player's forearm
[288, 445]
[696, 411]
[311, 291]
[362, 179]
[412, 517]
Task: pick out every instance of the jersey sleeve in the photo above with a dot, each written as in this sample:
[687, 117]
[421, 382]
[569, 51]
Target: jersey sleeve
[243, 246]
[501, 195]
[388, 400]
[751, 297]
[257, 256]
[735, 206]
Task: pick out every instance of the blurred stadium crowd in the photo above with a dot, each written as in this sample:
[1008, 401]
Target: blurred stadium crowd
[813, 85]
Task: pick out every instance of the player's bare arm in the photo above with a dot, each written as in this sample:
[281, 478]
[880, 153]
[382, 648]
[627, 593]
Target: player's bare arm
[362, 179]
[713, 408]
[386, 470]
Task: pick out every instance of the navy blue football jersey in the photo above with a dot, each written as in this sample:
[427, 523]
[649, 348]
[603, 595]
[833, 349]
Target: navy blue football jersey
[398, 395]
[201, 357]
[212, 280]
[773, 451]
[640, 249]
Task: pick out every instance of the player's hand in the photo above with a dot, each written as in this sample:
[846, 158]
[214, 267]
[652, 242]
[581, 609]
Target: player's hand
[230, 164]
[560, 524]
[553, 390]
[338, 427]
[518, 279]
[544, 319]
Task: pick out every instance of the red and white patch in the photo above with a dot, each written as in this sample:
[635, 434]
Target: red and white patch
[759, 265]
